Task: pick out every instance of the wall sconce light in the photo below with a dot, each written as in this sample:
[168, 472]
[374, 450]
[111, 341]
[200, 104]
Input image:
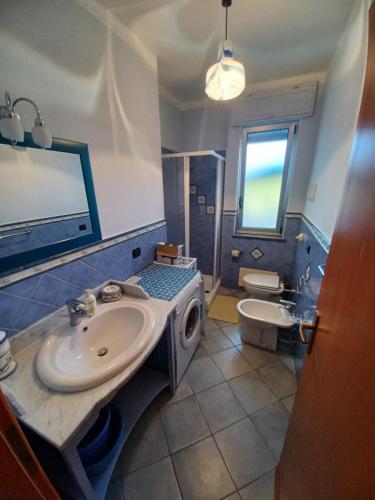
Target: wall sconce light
[11, 127]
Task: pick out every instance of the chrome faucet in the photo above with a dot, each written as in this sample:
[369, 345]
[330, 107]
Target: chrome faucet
[77, 311]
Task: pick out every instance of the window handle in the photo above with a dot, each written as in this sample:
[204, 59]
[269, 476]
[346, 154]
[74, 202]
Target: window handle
[240, 203]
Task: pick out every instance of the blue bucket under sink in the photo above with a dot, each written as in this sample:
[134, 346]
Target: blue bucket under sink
[100, 444]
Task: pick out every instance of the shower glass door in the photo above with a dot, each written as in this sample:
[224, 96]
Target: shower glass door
[203, 177]
[174, 199]
[193, 199]
[205, 221]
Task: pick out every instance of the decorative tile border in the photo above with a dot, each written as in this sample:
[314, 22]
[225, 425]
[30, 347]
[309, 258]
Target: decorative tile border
[320, 238]
[64, 259]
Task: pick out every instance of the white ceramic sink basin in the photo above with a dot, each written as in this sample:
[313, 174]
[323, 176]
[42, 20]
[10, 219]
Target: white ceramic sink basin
[80, 357]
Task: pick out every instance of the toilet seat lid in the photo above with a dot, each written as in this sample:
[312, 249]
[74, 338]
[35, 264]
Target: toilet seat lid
[269, 281]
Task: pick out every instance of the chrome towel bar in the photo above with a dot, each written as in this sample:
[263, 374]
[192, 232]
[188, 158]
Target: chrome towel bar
[27, 231]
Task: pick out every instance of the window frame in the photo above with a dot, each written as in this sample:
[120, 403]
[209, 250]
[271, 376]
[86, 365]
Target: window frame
[276, 233]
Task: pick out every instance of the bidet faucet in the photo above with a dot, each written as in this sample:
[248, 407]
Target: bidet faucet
[77, 311]
[300, 287]
[288, 304]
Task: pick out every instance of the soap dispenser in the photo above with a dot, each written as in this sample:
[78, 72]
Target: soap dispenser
[90, 300]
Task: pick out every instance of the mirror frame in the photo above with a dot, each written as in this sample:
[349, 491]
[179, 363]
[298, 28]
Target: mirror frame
[29, 258]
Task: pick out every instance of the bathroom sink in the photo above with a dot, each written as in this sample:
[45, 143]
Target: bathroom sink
[74, 358]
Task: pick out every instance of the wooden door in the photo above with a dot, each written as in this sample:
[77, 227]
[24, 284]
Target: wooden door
[329, 452]
[21, 476]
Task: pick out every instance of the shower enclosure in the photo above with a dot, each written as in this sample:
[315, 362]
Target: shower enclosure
[193, 201]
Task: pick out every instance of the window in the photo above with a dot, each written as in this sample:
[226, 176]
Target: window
[264, 178]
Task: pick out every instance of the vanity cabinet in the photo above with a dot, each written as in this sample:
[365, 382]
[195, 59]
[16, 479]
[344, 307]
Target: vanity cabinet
[64, 466]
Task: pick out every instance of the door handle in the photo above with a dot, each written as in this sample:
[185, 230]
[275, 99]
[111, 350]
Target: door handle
[311, 327]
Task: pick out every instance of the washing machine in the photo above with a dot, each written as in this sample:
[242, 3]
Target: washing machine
[189, 315]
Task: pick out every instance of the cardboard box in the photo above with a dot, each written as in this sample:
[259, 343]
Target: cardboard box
[170, 250]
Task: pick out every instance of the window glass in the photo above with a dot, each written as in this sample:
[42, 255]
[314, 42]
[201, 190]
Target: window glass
[264, 167]
[266, 151]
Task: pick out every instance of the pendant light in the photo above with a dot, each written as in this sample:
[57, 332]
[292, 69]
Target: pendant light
[226, 78]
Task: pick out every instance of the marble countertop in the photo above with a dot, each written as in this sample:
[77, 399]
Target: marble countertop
[58, 416]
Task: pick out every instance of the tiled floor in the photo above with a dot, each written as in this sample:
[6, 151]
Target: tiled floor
[220, 435]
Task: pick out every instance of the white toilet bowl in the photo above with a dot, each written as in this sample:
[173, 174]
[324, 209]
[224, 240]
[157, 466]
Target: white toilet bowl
[260, 321]
[263, 286]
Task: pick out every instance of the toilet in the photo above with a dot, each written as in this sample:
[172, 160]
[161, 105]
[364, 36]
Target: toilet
[263, 285]
[260, 321]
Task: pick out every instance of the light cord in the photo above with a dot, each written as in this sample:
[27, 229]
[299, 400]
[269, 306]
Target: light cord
[226, 23]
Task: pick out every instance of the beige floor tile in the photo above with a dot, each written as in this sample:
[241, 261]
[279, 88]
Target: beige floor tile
[231, 363]
[279, 378]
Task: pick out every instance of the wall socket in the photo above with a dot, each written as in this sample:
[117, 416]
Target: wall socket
[136, 252]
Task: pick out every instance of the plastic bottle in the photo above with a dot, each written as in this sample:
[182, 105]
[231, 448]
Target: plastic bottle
[90, 301]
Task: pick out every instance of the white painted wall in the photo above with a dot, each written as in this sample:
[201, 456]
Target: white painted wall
[194, 130]
[205, 128]
[170, 125]
[338, 122]
[301, 161]
[208, 128]
[91, 87]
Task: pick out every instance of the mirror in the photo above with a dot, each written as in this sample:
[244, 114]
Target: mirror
[47, 201]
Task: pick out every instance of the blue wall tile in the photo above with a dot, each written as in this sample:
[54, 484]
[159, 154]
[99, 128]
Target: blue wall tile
[28, 301]
[308, 253]
[11, 309]
[93, 278]
[47, 290]
[32, 313]
[278, 256]
[92, 259]
[79, 274]
[62, 272]
[68, 291]
[23, 288]
[202, 225]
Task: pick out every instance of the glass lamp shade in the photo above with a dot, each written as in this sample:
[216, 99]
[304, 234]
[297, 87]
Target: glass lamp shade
[226, 79]
[11, 128]
[41, 135]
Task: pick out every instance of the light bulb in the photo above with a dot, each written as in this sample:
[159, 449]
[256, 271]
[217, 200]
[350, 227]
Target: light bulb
[11, 127]
[226, 79]
[41, 134]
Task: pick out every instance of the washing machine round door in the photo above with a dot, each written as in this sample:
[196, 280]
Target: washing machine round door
[191, 323]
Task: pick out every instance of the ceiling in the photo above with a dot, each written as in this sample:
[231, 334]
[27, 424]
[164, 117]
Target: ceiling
[274, 39]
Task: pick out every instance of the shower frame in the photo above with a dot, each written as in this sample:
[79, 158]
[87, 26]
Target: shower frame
[219, 191]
